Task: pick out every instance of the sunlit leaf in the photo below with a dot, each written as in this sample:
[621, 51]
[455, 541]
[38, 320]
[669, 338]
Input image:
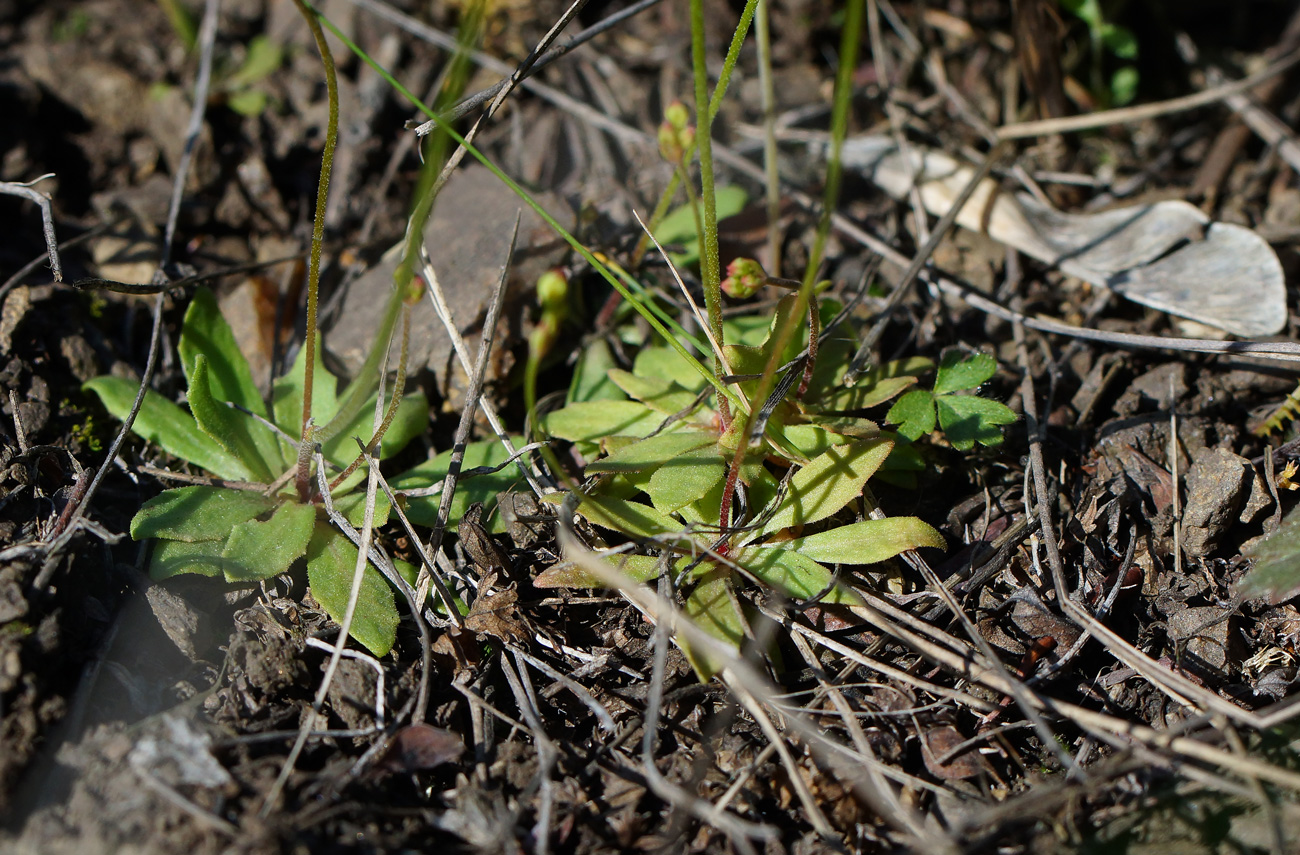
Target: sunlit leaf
[205, 332]
[828, 483]
[651, 452]
[868, 541]
[286, 393]
[958, 372]
[796, 575]
[234, 431]
[198, 513]
[686, 478]
[914, 414]
[968, 419]
[598, 419]
[169, 427]
[659, 394]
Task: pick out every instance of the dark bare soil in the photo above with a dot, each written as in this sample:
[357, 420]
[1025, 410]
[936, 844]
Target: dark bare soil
[144, 717]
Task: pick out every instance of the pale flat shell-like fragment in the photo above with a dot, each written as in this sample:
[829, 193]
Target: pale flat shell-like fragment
[1167, 255]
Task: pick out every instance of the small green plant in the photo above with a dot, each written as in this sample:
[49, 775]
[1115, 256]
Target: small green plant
[240, 86]
[252, 534]
[965, 419]
[661, 457]
[1105, 37]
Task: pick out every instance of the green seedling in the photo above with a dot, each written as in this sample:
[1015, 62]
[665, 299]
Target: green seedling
[966, 419]
[247, 535]
[1106, 37]
[240, 87]
[279, 519]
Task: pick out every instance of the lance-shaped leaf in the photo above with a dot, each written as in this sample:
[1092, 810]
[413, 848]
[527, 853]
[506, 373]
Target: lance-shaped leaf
[260, 549]
[868, 541]
[797, 576]
[176, 557]
[595, 420]
[713, 608]
[169, 427]
[829, 482]
[658, 393]
[631, 518]
[232, 429]
[206, 333]
[331, 561]
[651, 452]
[195, 514]
[687, 477]
[410, 420]
[286, 393]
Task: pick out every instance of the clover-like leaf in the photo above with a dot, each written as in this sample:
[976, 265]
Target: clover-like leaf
[167, 426]
[958, 372]
[331, 563]
[261, 549]
[828, 483]
[867, 542]
[913, 413]
[206, 333]
[968, 419]
[199, 513]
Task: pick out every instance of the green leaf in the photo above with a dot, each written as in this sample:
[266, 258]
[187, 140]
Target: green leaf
[286, 393]
[176, 557]
[595, 420]
[478, 488]
[353, 508]
[867, 542]
[712, 606]
[1276, 573]
[958, 372]
[263, 58]
[797, 576]
[829, 482]
[233, 430]
[261, 550]
[331, 563]
[194, 514]
[169, 427]
[411, 419]
[665, 396]
[687, 477]
[651, 452]
[206, 333]
[630, 518]
[638, 568]
[664, 363]
[679, 225]
[913, 413]
[1123, 85]
[591, 380]
[864, 396]
[968, 419]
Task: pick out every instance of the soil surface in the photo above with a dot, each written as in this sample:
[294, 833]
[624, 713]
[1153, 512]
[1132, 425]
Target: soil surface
[143, 716]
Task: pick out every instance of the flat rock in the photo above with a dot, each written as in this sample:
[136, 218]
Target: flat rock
[466, 237]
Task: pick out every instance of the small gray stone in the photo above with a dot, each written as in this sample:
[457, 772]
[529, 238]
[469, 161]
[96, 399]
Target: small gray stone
[1216, 488]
